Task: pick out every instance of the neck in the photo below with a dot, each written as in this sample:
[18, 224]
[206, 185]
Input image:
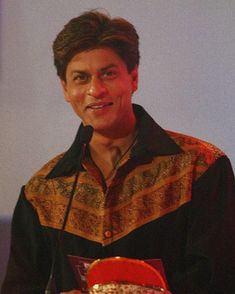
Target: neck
[107, 152]
[104, 145]
[107, 138]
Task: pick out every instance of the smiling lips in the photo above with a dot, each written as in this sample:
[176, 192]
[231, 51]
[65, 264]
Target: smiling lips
[95, 106]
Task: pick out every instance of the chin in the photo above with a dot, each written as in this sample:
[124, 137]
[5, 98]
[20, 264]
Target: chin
[101, 125]
[106, 129]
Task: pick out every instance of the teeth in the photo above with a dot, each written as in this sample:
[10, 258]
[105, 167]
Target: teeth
[100, 106]
[97, 106]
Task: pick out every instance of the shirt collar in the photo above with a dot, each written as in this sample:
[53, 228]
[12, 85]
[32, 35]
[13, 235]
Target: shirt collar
[151, 138]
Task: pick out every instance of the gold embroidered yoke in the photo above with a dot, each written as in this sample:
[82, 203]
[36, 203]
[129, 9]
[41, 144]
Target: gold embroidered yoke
[157, 179]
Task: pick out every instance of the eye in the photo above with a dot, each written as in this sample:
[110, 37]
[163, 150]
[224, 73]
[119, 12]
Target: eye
[109, 74]
[81, 78]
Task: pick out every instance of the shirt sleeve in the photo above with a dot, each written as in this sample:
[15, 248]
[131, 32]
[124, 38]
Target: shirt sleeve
[28, 265]
[210, 248]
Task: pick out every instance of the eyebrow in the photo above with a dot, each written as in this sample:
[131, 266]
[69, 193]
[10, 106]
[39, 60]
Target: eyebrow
[103, 69]
[108, 67]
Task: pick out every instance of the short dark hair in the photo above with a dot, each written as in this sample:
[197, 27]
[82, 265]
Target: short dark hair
[92, 30]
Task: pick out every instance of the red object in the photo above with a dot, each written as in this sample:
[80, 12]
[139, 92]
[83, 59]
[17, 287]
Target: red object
[121, 269]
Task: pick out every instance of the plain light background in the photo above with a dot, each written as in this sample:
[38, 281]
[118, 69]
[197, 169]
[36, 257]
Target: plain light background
[187, 77]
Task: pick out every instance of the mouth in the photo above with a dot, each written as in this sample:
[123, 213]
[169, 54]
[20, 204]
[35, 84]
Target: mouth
[97, 106]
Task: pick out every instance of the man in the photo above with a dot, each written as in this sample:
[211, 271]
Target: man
[139, 192]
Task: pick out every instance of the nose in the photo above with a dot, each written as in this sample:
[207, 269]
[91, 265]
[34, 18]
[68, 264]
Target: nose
[96, 88]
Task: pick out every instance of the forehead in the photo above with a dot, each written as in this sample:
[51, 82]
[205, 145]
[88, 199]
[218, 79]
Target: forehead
[95, 59]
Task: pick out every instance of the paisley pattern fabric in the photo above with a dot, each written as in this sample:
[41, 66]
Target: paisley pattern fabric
[146, 193]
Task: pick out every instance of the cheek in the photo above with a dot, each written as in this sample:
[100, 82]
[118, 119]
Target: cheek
[76, 96]
[122, 90]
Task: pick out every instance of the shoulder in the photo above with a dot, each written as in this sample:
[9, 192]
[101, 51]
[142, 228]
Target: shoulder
[202, 154]
[189, 143]
[48, 197]
[46, 168]
[38, 183]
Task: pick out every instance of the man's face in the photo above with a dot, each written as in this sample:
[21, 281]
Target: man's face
[99, 88]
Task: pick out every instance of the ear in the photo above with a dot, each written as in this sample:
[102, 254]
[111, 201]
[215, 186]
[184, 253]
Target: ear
[135, 78]
[64, 89]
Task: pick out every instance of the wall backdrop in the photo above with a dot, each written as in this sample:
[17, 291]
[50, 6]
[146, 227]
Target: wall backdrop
[187, 79]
